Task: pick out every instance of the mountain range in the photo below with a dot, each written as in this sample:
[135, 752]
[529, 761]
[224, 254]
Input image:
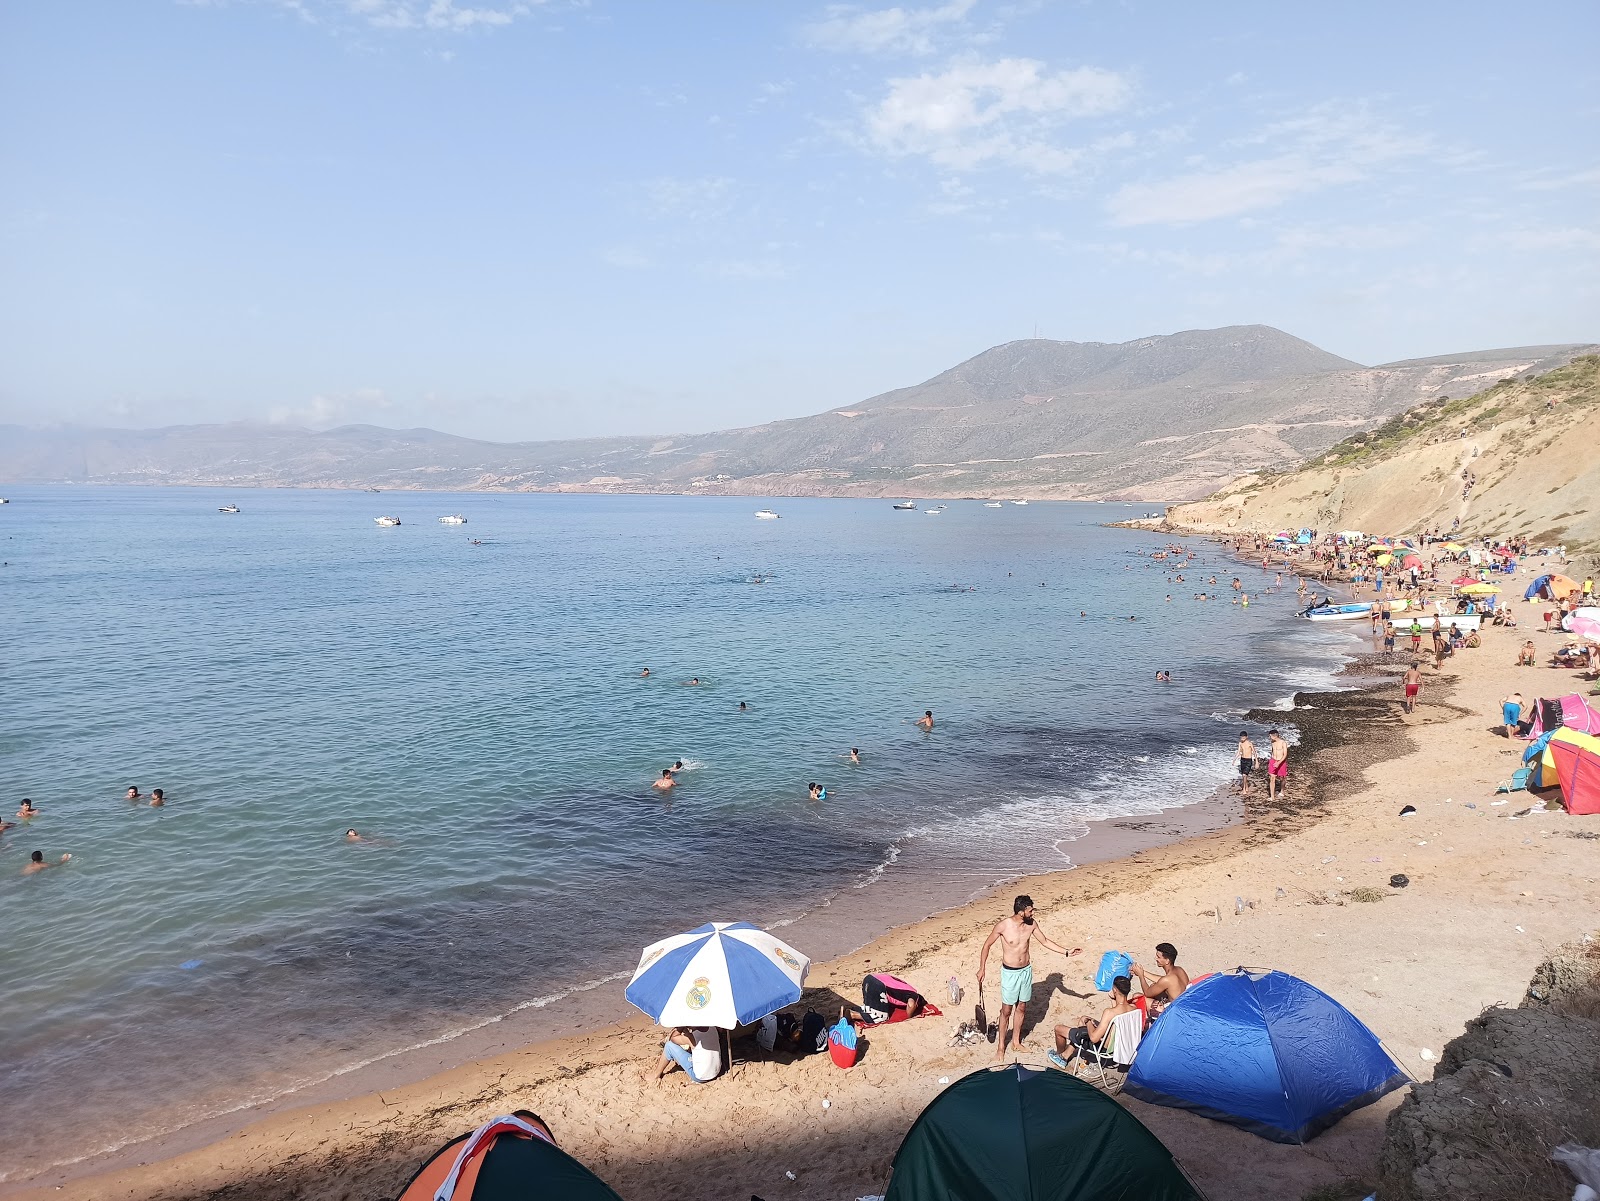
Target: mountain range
[1162, 418]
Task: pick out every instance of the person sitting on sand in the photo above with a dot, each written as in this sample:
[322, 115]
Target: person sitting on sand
[666, 781]
[28, 809]
[132, 794]
[36, 863]
[1166, 988]
[695, 1049]
[1529, 657]
[1088, 1032]
[925, 722]
[158, 798]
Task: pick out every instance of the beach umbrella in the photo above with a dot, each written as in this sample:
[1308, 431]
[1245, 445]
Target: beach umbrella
[1411, 561]
[1585, 627]
[1384, 560]
[1478, 589]
[1454, 547]
[721, 974]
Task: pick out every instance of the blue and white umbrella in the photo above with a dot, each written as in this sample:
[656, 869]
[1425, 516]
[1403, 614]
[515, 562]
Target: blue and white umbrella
[723, 974]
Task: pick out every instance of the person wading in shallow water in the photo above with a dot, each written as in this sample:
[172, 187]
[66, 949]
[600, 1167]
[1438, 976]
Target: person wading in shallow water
[1277, 765]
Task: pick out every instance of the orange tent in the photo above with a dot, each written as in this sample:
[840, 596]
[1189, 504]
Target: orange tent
[1559, 587]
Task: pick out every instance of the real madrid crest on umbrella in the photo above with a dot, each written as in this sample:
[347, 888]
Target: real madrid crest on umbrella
[723, 974]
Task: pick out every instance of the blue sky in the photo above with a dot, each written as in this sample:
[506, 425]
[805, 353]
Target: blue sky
[520, 220]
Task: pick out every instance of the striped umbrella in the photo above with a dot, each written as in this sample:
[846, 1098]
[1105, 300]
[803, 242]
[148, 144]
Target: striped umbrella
[722, 974]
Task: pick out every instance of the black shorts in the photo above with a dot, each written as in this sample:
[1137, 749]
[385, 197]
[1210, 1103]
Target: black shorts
[1246, 766]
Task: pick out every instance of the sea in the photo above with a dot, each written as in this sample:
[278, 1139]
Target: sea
[470, 699]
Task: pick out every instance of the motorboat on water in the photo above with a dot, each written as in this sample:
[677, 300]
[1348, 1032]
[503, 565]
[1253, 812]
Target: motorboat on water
[387, 520]
[993, 504]
[1019, 502]
[906, 504]
[453, 519]
[228, 509]
[767, 515]
[933, 512]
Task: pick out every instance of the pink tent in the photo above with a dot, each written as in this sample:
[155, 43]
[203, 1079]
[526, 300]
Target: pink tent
[1576, 714]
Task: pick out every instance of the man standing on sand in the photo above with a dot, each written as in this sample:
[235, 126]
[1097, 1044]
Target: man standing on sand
[1416, 636]
[1247, 762]
[1277, 764]
[1016, 934]
[1413, 683]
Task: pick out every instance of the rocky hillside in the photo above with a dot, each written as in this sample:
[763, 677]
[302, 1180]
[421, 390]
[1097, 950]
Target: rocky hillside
[1522, 457]
[1159, 418]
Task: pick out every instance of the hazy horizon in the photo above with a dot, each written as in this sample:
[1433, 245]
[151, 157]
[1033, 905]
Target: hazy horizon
[521, 221]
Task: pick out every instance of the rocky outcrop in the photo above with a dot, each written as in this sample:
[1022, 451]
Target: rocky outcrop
[1515, 1085]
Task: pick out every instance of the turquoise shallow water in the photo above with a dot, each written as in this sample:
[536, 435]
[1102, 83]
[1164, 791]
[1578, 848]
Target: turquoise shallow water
[295, 670]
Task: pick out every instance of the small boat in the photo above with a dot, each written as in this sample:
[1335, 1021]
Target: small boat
[1349, 612]
[767, 515]
[454, 519]
[387, 520]
[4, 501]
[992, 504]
[228, 509]
[1019, 502]
[933, 512]
[906, 504]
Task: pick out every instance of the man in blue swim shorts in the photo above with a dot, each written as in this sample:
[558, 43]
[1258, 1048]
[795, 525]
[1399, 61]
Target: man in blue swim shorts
[1015, 934]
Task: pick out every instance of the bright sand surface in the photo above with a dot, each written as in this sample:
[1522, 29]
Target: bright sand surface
[1493, 890]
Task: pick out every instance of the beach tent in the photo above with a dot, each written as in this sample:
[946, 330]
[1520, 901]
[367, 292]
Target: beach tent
[511, 1158]
[1576, 714]
[1551, 587]
[1265, 1051]
[1540, 762]
[1015, 1134]
[1577, 762]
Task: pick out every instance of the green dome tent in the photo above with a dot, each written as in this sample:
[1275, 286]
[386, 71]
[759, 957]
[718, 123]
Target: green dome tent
[509, 1158]
[1021, 1135]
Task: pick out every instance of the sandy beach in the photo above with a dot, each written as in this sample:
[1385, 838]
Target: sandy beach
[1494, 888]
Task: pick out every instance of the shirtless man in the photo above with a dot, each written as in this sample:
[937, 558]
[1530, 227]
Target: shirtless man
[1016, 934]
[1413, 683]
[855, 756]
[29, 809]
[925, 722]
[1247, 762]
[1277, 764]
[1167, 987]
[644, 673]
[132, 794]
[157, 798]
[36, 863]
[666, 781]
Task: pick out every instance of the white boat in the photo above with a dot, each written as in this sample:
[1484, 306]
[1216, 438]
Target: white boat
[387, 520]
[4, 501]
[992, 504]
[228, 509]
[906, 504]
[1019, 502]
[767, 515]
[453, 519]
[933, 512]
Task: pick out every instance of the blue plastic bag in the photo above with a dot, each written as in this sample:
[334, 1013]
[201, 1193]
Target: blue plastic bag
[1112, 965]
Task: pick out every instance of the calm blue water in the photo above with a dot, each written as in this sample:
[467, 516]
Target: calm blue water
[296, 670]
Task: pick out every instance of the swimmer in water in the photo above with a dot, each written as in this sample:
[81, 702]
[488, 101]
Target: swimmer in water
[36, 863]
[925, 722]
[743, 708]
[817, 792]
[353, 835]
[644, 673]
[855, 756]
[28, 809]
[157, 798]
[677, 766]
[666, 781]
[132, 794]
[694, 681]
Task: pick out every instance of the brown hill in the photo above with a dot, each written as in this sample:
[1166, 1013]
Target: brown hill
[1167, 417]
[1528, 447]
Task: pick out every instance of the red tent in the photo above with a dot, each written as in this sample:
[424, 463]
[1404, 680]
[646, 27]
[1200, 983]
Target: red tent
[1465, 579]
[1577, 757]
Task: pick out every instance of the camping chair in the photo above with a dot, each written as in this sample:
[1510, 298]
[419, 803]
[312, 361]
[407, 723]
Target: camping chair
[1119, 1041]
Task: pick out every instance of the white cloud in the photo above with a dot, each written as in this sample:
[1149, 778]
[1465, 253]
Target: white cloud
[884, 31]
[1327, 146]
[1004, 111]
[329, 409]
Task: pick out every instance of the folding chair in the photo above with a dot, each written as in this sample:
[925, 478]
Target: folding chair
[1119, 1041]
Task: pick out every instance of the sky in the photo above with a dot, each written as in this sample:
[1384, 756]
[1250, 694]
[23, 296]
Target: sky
[518, 220]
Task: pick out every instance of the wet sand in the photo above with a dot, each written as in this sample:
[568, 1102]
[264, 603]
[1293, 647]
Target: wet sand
[1493, 889]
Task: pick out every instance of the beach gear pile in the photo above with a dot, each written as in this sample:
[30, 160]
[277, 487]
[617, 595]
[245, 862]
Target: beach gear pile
[1264, 1051]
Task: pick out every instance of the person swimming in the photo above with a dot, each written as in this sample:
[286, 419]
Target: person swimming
[158, 798]
[666, 781]
[855, 756]
[694, 681]
[817, 792]
[743, 708]
[132, 794]
[925, 722]
[644, 673]
[28, 809]
[36, 863]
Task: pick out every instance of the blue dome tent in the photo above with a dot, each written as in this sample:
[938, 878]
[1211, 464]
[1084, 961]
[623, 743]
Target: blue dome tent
[1265, 1051]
